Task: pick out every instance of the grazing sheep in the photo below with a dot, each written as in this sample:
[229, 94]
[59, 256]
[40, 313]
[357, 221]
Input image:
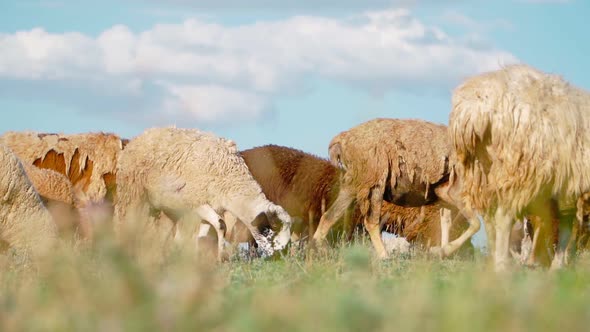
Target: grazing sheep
[189, 174]
[521, 141]
[401, 161]
[306, 185]
[25, 223]
[303, 184]
[57, 194]
[87, 160]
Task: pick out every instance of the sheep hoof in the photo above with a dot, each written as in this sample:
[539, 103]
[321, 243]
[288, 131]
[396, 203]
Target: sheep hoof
[315, 247]
[502, 267]
[517, 256]
[558, 262]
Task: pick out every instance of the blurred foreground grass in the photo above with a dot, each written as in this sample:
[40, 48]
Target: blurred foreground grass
[343, 289]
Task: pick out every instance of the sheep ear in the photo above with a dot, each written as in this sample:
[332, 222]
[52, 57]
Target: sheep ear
[123, 142]
[335, 152]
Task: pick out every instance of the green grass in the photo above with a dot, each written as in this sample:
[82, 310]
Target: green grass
[344, 289]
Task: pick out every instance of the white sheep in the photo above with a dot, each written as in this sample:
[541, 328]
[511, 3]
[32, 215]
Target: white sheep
[25, 223]
[522, 144]
[187, 173]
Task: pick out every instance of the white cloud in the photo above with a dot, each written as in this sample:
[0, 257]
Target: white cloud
[212, 73]
[456, 18]
[210, 103]
[296, 5]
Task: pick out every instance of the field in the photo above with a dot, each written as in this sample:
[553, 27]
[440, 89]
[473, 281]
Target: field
[103, 288]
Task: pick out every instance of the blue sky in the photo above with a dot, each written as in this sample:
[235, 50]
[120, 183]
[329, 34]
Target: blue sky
[294, 74]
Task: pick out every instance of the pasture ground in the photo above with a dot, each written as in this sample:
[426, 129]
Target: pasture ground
[341, 289]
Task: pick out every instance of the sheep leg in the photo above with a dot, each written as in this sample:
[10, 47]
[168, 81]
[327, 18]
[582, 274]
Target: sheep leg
[490, 236]
[544, 216]
[564, 233]
[230, 223]
[372, 221]
[348, 224]
[526, 243]
[207, 213]
[453, 246]
[204, 229]
[334, 213]
[445, 226]
[310, 223]
[576, 228]
[530, 259]
[503, 225]
[177, 237]
[570, 249]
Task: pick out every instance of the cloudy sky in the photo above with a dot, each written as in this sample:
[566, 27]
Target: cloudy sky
[290, 72]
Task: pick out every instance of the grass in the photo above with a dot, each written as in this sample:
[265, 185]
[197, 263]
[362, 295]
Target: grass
[104, 288]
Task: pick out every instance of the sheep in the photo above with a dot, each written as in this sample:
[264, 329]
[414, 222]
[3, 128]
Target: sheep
[51, 185]
[401, 161]
[305, 185]
[521, 144]
[87, 160]
[25, 223]
[426, 226]
[189, 174]
[57, 194]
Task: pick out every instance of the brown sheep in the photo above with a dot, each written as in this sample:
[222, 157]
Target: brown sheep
[306, 185]
[303, 184]
[401, 161]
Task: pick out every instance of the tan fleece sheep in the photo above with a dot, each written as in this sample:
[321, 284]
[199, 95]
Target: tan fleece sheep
[522, 146]
[401, 161]
[88, 160]
[25, 223]
[306, 185]
[57, 193]
[188, 174]
[50, 184]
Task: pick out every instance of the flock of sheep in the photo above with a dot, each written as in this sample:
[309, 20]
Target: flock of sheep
[513, 154]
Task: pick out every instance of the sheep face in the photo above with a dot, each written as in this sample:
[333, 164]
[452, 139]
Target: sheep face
[279, 219]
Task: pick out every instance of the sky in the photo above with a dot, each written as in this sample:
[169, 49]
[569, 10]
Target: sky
[289, 72]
